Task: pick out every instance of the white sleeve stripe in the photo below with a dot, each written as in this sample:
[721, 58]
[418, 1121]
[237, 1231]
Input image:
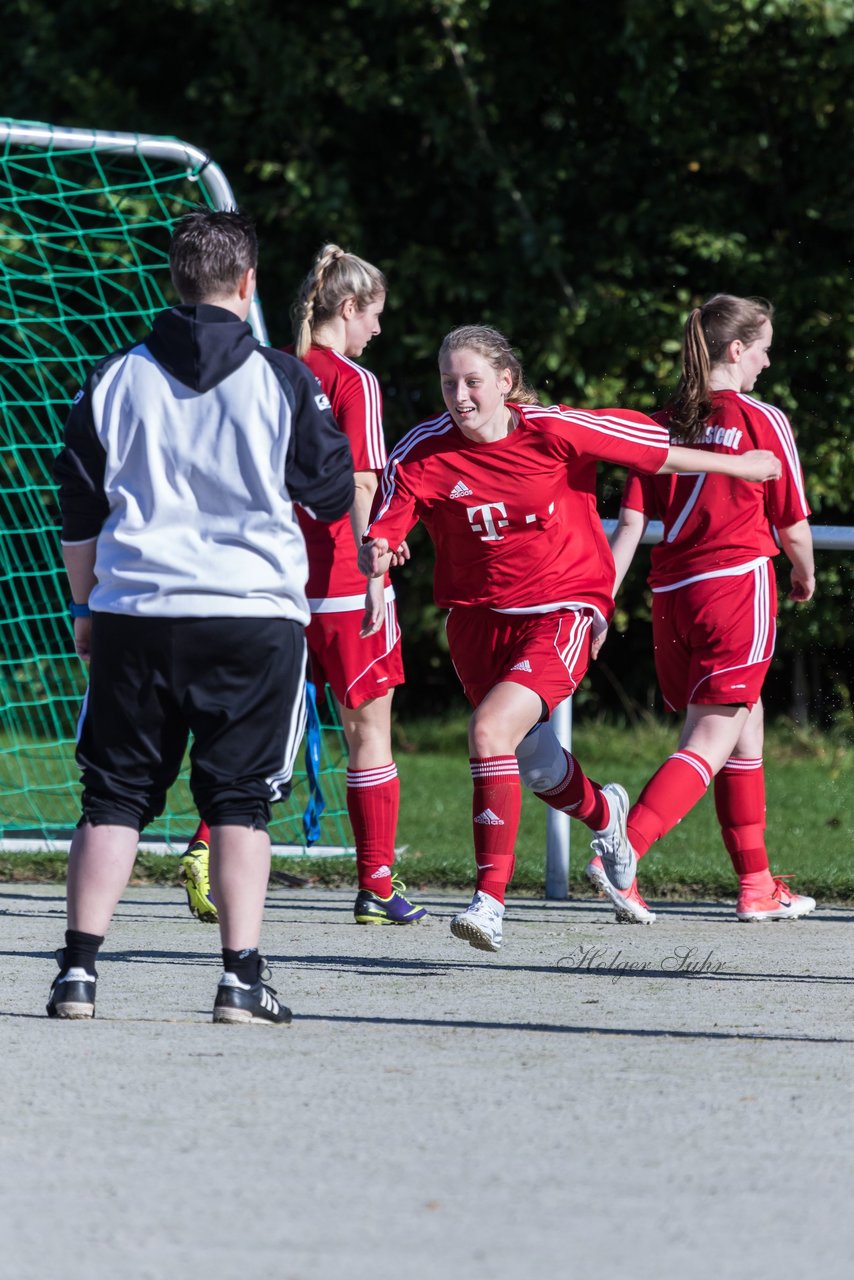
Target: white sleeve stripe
[653, 435]
[436, 426]
[783, 431]
[373, 415]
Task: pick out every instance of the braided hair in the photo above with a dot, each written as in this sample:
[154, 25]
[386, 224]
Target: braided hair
[335, 276]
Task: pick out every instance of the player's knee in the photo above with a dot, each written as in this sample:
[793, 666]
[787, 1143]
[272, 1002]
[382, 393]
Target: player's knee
[542, 760]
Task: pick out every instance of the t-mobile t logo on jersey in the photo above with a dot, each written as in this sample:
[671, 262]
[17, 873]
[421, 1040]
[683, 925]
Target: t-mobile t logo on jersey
[489, 524]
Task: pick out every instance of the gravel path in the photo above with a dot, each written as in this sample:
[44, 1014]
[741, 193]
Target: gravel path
[584, 1101]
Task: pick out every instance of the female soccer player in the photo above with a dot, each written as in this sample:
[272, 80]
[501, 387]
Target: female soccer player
[506, 489]
[353, 641]
[715, 601]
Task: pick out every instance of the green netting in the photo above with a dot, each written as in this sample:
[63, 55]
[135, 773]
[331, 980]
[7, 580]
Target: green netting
[84, 242]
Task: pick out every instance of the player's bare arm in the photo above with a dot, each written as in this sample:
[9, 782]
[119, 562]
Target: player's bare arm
[374, 616]
[79, 558]
[757, 465]
[360, 513]
[796, 542]
[631, 526]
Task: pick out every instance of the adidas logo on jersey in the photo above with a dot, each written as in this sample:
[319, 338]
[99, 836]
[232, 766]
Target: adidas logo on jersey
[460, 490]
[524, 665]
[489, 819]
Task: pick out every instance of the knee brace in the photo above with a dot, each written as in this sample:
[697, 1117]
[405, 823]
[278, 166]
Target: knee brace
[542, 760]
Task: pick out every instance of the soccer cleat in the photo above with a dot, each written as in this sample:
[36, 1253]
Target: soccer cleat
[370, 908]
[629, 906]
[195, 876]
[243, 1002]
[481, 923]
[782, 904]
[612, 844]
[72, 993]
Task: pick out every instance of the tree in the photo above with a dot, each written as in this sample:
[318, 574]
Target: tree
[578, 179]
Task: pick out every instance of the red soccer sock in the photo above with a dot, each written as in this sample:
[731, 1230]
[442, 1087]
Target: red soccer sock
[670, 793]
[740, 806]
[373, 802]
[579, 796]
[756, 883]
[203, 832]
[496, 806]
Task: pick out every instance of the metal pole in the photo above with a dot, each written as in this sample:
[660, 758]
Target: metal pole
[825, 537]
[557, 824]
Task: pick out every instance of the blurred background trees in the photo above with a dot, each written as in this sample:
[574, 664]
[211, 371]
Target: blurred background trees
[577, 175]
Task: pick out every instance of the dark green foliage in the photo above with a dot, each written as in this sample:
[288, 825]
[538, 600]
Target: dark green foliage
[578, 178]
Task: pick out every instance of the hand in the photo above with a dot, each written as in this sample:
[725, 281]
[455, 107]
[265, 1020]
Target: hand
[598, 636]
[760, 465]
[374, 557]
[803, 587]
[374, 615]
[83, 638]
[400, 556]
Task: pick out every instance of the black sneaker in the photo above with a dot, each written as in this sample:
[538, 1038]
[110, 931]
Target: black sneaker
[72, 993]
[238, 1001]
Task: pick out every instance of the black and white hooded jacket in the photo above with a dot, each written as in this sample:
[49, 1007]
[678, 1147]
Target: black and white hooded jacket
[183, 458]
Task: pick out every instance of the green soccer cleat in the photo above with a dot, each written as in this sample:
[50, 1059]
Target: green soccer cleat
[195, 877]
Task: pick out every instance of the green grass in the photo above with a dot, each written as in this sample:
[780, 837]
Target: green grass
[810, 786]
[810, 798]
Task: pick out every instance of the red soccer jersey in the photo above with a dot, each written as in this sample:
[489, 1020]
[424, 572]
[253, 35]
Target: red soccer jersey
[354, 394]
[713, 524]
[514, 522]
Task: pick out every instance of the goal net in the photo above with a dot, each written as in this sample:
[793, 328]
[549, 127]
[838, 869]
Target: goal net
[85, 222]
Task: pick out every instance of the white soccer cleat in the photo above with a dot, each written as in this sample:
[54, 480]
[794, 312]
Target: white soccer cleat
[612, 844]
[480, 925]
[629, 906]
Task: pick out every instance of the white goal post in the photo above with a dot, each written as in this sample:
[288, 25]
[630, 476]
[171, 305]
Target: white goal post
[198, 164]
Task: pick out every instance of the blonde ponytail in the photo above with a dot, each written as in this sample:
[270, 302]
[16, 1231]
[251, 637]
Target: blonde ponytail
[335, 276]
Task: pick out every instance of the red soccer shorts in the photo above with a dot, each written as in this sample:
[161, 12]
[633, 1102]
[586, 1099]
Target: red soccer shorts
[714, 639]
[546, 652]
[356, 669]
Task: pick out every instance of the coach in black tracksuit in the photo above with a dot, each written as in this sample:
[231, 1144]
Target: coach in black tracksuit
[183, 458]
